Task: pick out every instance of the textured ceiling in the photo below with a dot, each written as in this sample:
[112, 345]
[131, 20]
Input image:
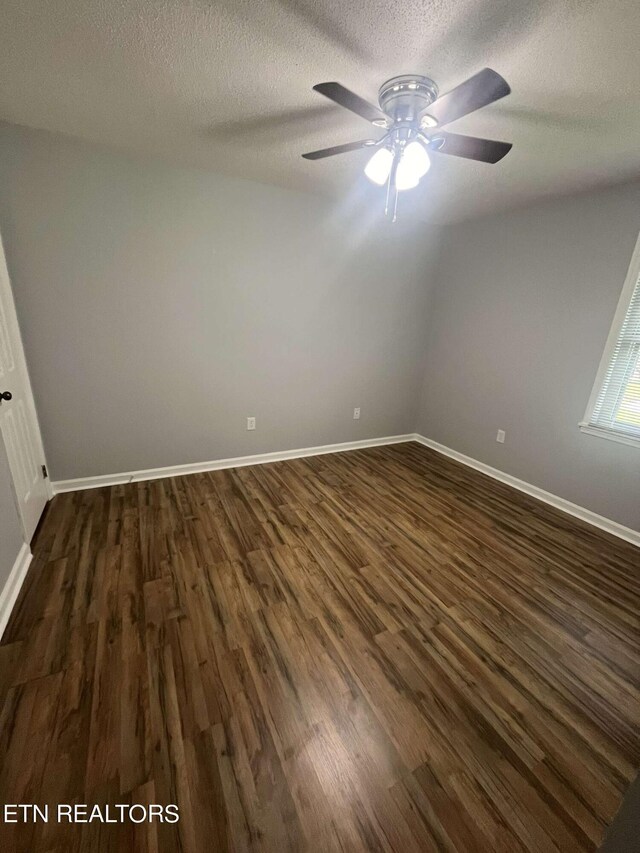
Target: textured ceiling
[227, 85]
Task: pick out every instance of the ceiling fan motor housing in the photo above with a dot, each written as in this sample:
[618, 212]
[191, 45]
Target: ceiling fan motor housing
[405, 97]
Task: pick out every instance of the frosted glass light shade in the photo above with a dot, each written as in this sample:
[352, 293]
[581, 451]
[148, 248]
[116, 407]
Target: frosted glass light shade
[405, 179]
[379, 166]
[414, 165]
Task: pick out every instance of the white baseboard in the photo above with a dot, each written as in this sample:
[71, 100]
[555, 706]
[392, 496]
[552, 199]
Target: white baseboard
[9, 593]
[587, 515]
[580, 512]
[218, 464]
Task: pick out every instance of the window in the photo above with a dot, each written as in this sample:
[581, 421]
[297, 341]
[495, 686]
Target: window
[614, 406]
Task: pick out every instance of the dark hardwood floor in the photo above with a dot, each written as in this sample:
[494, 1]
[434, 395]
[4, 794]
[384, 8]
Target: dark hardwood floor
[376, 650]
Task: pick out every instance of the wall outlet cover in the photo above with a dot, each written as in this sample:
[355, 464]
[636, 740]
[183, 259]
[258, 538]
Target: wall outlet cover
[251, 423]
[356, 414]
[501, 436]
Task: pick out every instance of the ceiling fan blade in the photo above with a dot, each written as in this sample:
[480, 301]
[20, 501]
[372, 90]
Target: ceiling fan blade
[338, 149]
[350, 101]
[483, 88]
[471, 147]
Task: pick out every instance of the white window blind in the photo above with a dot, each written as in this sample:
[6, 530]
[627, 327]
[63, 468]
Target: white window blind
[615, 403]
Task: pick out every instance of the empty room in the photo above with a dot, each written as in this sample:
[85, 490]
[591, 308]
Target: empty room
[319, 426]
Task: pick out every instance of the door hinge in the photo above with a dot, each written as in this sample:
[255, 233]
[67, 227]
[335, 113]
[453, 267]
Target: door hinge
[45, 473]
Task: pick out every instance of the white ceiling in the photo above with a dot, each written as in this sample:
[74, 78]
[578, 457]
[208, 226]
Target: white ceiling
[227, 85]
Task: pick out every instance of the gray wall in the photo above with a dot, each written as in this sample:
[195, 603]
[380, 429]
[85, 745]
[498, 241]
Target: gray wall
[11, 537]
[521, 310]
[161, 306]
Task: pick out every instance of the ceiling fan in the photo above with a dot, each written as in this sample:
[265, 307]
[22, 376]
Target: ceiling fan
[412, 114]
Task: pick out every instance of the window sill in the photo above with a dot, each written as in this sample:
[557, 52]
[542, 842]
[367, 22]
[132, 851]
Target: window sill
[620, 437]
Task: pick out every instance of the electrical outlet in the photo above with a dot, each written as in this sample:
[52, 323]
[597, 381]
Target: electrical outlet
[251, 423]
[356, 414]
[501, 436]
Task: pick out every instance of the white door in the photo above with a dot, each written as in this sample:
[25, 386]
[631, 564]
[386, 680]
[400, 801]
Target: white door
[18, 419]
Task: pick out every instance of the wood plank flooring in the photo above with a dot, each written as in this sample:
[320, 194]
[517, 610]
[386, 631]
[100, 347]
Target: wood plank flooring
[379, 650]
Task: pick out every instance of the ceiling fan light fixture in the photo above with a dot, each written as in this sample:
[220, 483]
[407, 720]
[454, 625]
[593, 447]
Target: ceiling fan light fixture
[414, 164]
[409, 107]
[379, 166]
[405, 180]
